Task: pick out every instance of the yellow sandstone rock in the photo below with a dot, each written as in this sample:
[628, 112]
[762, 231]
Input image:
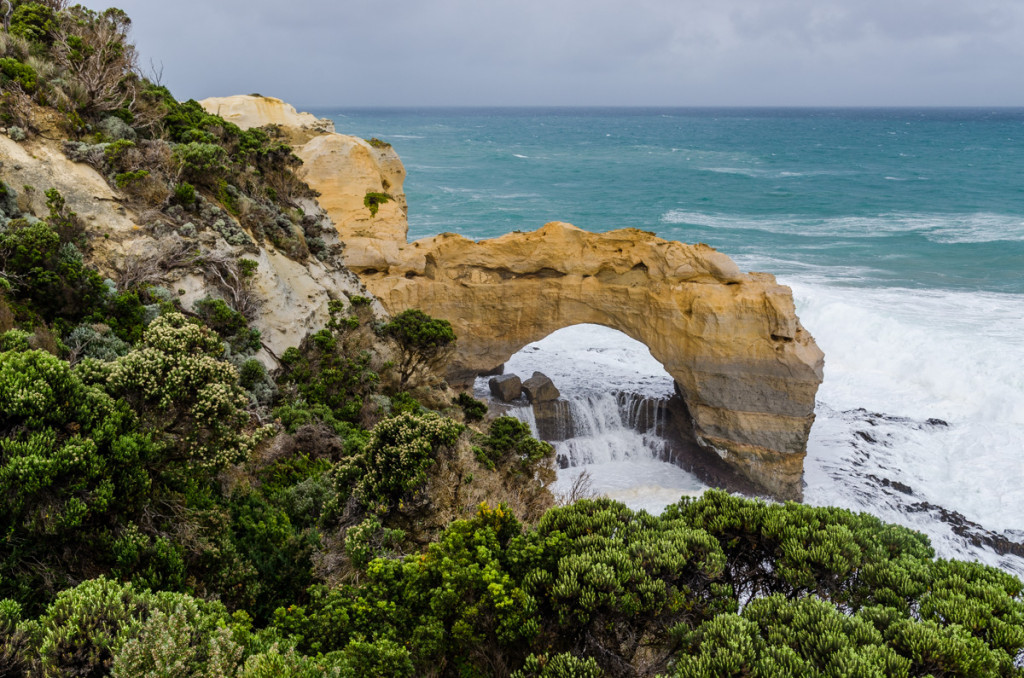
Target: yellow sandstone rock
[746, 368]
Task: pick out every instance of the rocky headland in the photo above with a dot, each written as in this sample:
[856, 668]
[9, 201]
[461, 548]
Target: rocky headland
[744, 366]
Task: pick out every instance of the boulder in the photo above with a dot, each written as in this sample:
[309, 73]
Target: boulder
[506, 387]
[539, 389]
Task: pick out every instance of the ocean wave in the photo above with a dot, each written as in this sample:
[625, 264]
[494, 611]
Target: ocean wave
[976, 227]
[923, 391]
[922, 355]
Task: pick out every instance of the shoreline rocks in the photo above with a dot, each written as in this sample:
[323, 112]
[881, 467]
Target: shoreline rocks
[506, 387]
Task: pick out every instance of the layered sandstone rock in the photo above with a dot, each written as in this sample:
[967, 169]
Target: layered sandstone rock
[252, 110]
[343, 169]
[744, 365]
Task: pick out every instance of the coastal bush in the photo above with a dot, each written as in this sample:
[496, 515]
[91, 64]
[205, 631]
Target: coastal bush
[184, 194]
[12, 70]
[186, 396]
[562, 665]
[397, 455]
[231, 325]
[332, 368]
[510, 442]
[474, 409]
[423, 342]
[374, 199]
[201, 163]
[35, 22]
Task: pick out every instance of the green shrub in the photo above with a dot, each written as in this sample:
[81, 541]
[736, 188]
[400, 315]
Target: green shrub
[511, 443]
[126, 179]
[231, 325]
[422, 341]
[562, 665]
[115, 153]
[35, 22]
[369, 540]
[85, 627]
[474, 409]
[185, 641]
[184, 194]
[332, 369]
[12, 70]
[50, 283]
[202, 163]
[398, 454]
[251, 373]
[189, 397]
[373, 200]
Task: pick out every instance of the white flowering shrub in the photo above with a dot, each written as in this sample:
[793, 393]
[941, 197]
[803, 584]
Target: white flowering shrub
[186, 641]
[69, 463]
[398, 454]
[182, 389]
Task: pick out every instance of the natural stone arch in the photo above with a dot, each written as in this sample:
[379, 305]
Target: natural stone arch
[745, 367]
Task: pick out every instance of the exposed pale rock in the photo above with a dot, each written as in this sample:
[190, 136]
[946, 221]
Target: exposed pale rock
[539, 388]
[294, 296]
[249, 110]
[506, 387]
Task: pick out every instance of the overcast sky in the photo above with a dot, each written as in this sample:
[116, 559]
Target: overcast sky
[588, 52]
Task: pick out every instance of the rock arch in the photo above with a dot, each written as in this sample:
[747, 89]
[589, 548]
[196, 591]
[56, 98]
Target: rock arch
[746, 368]
[744, 365]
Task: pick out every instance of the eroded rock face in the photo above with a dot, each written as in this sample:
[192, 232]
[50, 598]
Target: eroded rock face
[343, 169]
[746, 368]
[744, 365]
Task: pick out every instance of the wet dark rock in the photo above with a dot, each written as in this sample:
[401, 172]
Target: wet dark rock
[506, 387]
[540, 388]
[938, 422]
[894, 484]
[865, 436]
[500, 369]
[974, 533]
[554, 420]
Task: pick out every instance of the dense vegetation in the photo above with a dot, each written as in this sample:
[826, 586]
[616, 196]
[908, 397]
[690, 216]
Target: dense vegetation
[169, 507]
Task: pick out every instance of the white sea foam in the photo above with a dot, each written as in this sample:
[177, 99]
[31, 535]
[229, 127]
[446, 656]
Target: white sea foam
[895, 359]
[584, 357]
[921, 355]
[941, 228]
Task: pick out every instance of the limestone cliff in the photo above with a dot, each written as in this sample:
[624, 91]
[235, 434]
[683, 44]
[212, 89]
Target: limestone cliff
[744, 365]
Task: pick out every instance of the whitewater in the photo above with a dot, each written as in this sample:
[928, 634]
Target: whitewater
[900, 232]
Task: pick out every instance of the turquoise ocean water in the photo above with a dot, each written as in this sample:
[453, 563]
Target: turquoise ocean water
[901, 233]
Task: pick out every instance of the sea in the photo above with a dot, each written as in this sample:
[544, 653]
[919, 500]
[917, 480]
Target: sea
[900, 232]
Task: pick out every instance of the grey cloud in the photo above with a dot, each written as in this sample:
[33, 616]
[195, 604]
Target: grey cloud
[672, 52]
